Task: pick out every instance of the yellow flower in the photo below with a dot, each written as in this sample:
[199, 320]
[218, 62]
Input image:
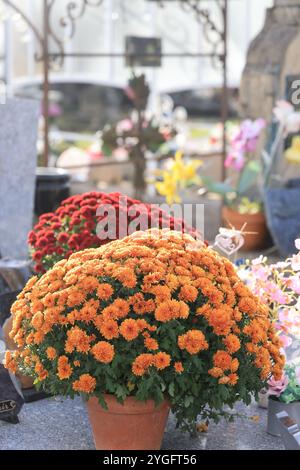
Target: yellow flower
[293, 153]
[177, 177]
[168, 188]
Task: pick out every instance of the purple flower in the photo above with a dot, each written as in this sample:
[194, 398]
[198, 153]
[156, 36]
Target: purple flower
[235, 160]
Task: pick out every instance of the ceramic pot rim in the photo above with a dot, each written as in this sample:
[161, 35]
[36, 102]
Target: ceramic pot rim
[131, 405]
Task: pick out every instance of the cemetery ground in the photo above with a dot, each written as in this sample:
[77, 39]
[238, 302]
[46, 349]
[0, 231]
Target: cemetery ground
[62, 424]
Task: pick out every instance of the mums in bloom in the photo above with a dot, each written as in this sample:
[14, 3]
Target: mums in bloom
[93, 219]
[154, 315]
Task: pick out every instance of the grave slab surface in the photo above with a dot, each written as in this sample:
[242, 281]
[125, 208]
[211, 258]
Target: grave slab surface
[62, 424]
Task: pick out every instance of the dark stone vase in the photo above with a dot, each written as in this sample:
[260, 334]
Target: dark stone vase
[282, 209]
[275, 406]
[6, 301]
[52, 187]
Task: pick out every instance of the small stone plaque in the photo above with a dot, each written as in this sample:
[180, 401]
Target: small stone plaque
[143, 52]
[11, 400]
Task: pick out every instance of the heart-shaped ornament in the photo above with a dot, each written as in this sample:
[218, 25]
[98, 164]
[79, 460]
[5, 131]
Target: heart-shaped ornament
[229, 241]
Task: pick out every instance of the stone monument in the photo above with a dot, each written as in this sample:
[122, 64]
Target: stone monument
[272, 56]
[18, 157]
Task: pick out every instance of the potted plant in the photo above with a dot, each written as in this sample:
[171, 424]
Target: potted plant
[141, 325]
[242, 202]
[73, 226]
[284, 395]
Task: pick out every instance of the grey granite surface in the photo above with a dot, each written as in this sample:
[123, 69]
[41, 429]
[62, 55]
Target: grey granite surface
[18, 156]
[58, 424]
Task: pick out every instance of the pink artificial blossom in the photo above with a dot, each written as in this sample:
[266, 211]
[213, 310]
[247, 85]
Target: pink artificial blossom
[235, 160]
[286, 341]
[295, 262]
[297, 371]
[125, 125]
[244, 141]
[277, 387]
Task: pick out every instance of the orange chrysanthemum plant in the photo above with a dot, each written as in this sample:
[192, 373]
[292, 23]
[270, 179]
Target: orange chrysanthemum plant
[155, 315]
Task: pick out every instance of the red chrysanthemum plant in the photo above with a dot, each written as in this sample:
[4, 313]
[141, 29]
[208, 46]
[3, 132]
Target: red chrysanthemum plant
[90, 220]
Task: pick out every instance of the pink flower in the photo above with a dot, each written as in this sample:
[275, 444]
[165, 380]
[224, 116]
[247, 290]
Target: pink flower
[261, 273]
[277, 387]
[297, 244]
[296, 262]
[297, 371]
[235, 160]
[258, 261]
[124, 126]
[251, 129]
[282, 110]
[294, 284]
[286, 341]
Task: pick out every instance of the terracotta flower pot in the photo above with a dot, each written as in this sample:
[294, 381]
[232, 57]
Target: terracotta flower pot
[26, 382]
[255, 223]
[134, 425]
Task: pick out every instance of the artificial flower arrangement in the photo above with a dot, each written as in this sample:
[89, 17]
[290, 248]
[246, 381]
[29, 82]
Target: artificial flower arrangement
[278, 285]
[137, 134]
[73, 226]
[156, 315]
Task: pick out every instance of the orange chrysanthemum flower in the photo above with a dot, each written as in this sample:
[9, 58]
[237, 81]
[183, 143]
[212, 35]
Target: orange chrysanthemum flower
[129, 329]
[248, 305]
[37, 320]
[142, 306]
[64, 370]
[216, 372]
[105, 291]
[103, 352]
[171, 310]
[178, 366]
[51, 353]
[188, 293]
[109, 329]
[220, 319]
[232, 343]
[222, 360]
[193, 342]
[118, 309]
[151, 344]
[224, 380]
[233, 379]
[142, 363]
[162, 360]
[78, 340]
[85, 384]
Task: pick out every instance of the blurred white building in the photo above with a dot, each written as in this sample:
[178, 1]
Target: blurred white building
[104, 28]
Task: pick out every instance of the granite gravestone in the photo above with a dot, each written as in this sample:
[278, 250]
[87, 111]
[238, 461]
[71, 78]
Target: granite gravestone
[18, 156]
[289, 430]
[11, 399]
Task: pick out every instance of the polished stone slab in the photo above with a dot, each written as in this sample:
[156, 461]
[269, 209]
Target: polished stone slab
[59, 424]
[18, 157]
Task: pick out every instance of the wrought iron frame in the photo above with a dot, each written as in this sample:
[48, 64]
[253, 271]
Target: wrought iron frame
[216, 37]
